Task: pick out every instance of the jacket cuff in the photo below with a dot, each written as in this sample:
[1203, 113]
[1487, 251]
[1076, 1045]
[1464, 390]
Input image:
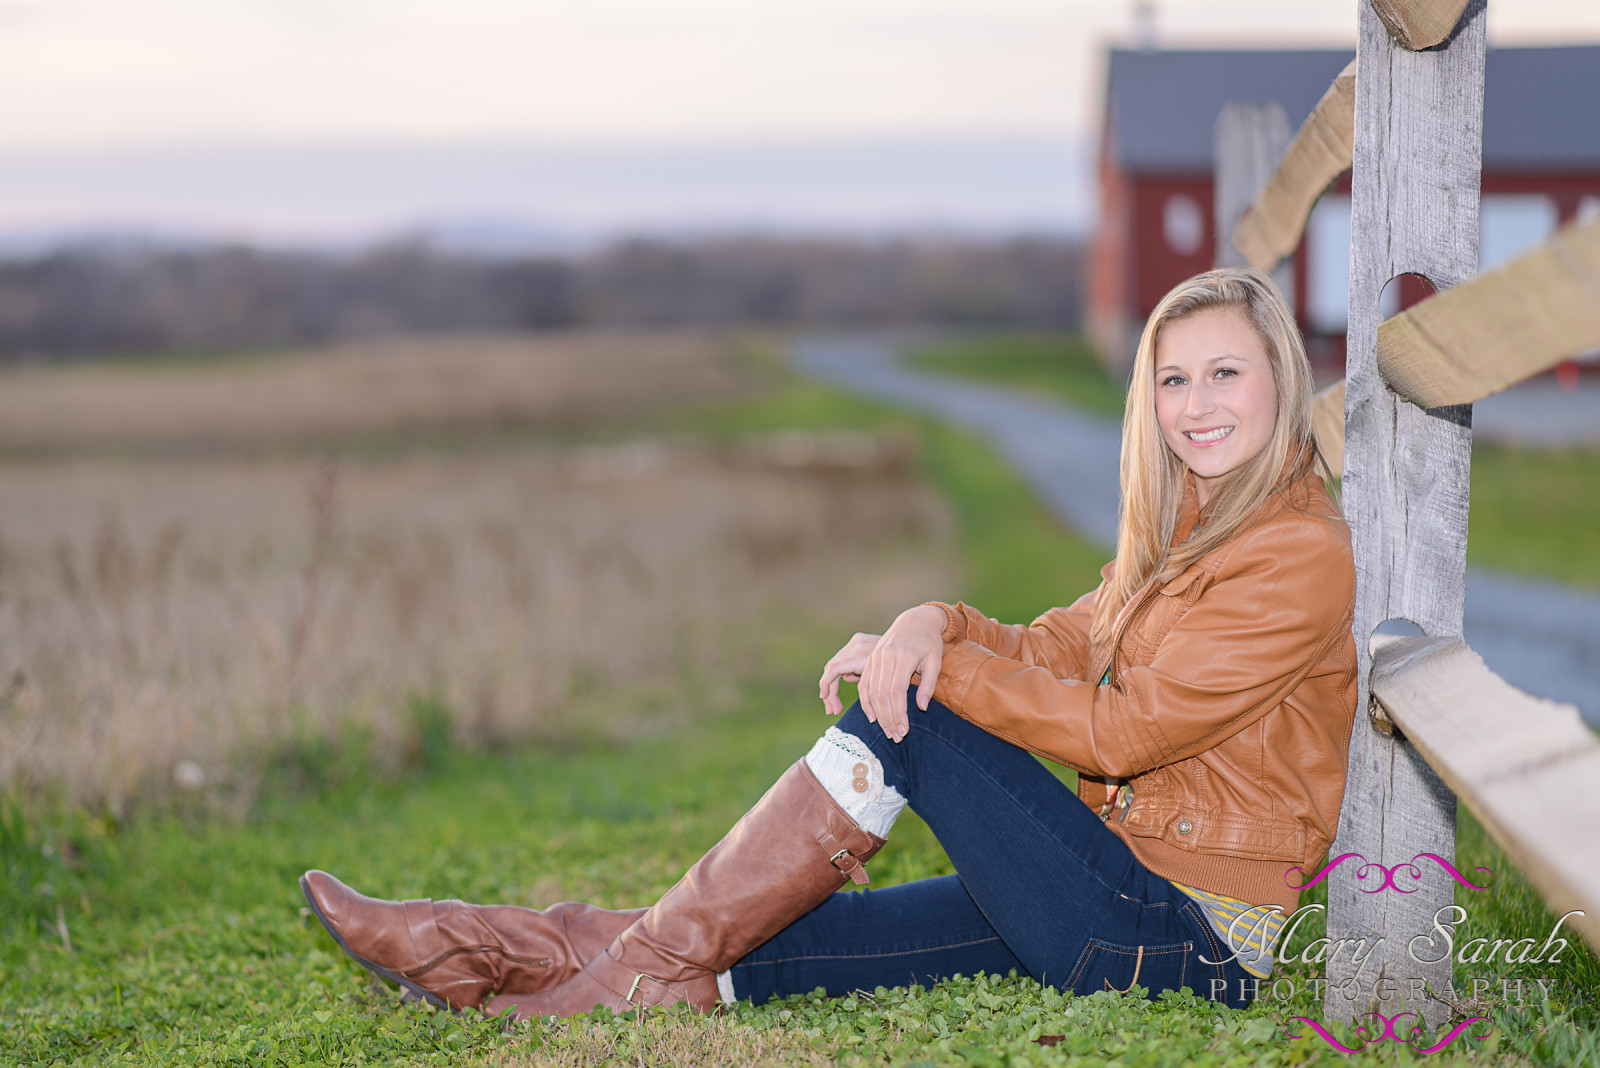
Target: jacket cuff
[955, 622]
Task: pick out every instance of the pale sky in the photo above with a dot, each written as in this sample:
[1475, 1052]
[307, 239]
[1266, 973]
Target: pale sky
[95, 87]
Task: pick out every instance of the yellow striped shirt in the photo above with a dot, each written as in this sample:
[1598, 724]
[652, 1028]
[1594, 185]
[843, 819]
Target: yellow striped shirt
[1249, 929]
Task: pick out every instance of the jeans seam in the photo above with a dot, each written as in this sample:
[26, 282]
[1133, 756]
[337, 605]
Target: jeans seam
[870, 956]
[1192, 910]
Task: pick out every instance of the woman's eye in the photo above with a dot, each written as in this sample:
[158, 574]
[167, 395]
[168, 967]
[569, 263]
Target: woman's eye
[1226, 372]
[1172, 380]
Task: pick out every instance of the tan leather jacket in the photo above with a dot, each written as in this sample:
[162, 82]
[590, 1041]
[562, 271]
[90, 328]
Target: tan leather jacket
[1230, 704]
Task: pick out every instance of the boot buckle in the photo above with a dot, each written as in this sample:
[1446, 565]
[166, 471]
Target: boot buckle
[848, 863]
[634, 989]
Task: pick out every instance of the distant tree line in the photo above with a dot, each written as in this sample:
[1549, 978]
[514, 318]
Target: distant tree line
[93, 299]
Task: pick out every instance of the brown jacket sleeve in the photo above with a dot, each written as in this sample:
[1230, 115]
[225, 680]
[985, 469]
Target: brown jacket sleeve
[1232, 655]
[1058, 640]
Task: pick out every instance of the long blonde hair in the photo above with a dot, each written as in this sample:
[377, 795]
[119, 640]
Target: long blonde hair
[1153, 477]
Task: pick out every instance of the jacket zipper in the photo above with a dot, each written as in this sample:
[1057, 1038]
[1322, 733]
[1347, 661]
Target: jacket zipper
[1129, 610]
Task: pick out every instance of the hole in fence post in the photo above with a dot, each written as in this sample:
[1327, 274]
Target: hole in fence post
[1388, 630]
[1394, 627]
[1401, 292]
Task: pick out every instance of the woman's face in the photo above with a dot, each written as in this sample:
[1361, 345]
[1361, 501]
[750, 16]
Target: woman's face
[1216, 401]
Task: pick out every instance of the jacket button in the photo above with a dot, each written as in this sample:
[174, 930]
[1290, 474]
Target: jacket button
[1184, 826]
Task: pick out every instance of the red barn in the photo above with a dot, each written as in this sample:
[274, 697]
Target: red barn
[1541, 169]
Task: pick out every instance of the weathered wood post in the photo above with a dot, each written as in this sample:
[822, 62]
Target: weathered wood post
[1415, 187]
[1248, 141]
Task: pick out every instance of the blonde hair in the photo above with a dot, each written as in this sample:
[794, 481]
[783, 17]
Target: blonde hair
[1153, 477]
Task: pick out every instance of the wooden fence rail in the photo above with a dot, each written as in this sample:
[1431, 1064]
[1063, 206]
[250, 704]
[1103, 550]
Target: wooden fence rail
[1500, 328]
[1503, 326]
[1419, 24]
[1525, 766]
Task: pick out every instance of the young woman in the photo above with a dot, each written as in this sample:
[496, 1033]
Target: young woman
[1204, 693]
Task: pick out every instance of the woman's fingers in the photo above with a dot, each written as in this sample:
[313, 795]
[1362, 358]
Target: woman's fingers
[845, 666]
[929, 669]
[830, 693]
[888, 708]
[864, 692]
[913, 643]
[876, 695]
[884, 685]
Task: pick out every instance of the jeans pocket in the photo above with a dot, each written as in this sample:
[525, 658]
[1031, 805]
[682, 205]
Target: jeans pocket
[1108, 966]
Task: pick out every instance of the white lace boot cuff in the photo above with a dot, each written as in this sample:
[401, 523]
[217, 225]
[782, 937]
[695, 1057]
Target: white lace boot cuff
[725, 988]
[853, 777]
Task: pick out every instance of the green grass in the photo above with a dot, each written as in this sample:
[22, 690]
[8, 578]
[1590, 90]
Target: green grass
[1057, 364]
[1536, 512]
[188, 943]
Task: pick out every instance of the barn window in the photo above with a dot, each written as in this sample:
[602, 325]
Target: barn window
[1328, 266]
[1182, 224]
[1511, 224]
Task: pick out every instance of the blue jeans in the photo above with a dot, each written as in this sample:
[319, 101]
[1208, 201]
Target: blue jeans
[1042, 886]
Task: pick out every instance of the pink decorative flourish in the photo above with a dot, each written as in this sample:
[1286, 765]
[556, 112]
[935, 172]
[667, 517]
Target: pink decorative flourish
[1329, 1039]
[1321, 875]
[1451, 1037]
[1372, 867]
[1388, 1026]
[1457, 876]
[1412, 1032]
[1388, 876]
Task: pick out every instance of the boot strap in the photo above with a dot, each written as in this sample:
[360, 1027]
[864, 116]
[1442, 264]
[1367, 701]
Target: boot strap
[636, 989]
[849, 864]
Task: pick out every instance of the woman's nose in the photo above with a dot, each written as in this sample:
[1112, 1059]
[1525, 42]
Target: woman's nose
[1199, 401]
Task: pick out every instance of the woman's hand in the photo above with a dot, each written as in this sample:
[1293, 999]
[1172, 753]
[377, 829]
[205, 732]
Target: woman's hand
[883, 667]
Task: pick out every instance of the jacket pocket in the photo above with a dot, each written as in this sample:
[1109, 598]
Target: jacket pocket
[1108, 966]
[1183, 581]
[1236, 836]
[1161, 613]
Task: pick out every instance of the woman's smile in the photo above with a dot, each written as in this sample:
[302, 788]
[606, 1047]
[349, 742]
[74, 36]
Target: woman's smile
[1208, 437]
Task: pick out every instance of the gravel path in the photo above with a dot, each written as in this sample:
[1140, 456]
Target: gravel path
[1541, 637]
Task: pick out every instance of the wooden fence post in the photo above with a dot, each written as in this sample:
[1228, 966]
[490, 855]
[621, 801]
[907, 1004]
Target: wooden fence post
[1415, 188]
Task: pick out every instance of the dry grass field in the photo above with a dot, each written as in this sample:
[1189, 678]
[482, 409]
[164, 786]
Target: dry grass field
[178, 619]
[370, 387]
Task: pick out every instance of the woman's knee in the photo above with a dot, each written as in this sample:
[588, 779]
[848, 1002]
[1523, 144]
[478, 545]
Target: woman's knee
[937, 716]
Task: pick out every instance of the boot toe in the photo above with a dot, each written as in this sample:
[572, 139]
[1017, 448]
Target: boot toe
[332, 901]
[372, 931]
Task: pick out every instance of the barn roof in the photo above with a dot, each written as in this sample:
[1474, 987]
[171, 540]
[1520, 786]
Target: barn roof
[1539, 103]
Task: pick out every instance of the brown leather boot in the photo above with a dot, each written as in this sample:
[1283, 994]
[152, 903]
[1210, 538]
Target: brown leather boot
[457, 955]
[783, 859]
